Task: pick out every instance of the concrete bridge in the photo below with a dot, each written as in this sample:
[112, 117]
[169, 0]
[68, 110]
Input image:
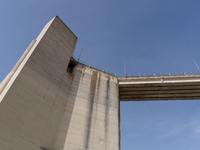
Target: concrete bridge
[50, 101]
[159, 88]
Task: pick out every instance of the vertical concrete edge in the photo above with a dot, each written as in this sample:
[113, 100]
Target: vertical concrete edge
[9, 76]
[20, 64]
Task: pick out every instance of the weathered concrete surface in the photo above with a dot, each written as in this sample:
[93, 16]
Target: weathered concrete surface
[45, 106]
[34, 99]
[92, 113]
[159, 88]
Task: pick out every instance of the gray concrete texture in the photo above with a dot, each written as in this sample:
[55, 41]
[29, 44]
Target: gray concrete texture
[43, 106]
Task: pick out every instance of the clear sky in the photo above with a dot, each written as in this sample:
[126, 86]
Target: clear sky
[150, 36]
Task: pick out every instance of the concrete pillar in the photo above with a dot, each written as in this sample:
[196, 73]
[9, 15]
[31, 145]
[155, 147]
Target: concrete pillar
[34, 99]
[92, 112]
[43, 106]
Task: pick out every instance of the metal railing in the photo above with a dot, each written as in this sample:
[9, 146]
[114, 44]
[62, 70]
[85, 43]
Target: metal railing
[143, 75]
[94, 67]
[158, 74]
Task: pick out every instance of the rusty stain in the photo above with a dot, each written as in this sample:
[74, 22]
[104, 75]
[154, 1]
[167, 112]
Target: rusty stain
[84, 68]
[107, 77]
[70, 75]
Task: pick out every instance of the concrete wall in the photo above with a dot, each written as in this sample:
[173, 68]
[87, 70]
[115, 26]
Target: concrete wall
[92, 113]
[44, 106]
[33, 101]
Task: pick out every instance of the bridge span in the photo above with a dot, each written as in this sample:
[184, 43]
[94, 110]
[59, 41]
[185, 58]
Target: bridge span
[186, 87]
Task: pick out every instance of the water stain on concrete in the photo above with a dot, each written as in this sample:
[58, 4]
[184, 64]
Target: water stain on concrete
[106, 121]
[90, 109]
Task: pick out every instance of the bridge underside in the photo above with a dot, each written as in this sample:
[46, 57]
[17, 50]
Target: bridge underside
[159, 88]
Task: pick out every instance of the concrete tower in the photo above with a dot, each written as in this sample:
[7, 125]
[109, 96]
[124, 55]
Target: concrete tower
[50, 101]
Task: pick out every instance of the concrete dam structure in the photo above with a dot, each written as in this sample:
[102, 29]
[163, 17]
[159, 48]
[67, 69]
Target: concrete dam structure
[49, 101]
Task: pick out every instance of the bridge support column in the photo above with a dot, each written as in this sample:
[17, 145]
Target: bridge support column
[43, 106]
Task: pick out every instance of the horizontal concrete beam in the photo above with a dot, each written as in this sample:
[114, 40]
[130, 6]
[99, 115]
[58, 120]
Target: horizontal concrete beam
[159, 88]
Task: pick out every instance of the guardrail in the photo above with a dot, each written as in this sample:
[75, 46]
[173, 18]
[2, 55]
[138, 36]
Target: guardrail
[158, 74]
[143, 75]
[93, 67]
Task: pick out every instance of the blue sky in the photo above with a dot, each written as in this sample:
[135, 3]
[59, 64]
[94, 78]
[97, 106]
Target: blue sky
[150, 36]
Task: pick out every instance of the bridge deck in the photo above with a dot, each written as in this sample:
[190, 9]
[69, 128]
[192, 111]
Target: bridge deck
[159, 88]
